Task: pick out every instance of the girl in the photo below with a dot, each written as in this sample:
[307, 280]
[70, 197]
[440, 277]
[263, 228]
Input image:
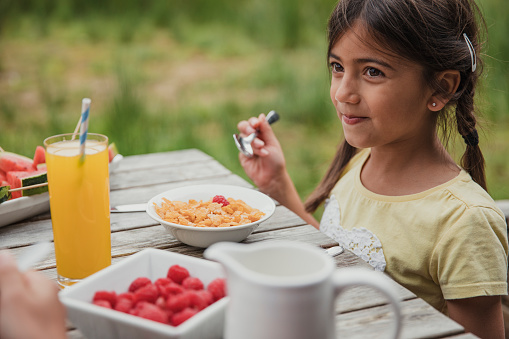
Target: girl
[400, 71]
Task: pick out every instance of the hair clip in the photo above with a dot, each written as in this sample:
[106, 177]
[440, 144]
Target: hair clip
[471, 49]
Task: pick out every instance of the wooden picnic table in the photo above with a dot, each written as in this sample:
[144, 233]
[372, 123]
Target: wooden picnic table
[361, 312]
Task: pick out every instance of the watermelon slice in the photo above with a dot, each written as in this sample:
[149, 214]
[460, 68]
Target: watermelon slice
[39, 157]
[14, 162]
[3, 176]
[19, 179]
[4, 192]
[112, 151]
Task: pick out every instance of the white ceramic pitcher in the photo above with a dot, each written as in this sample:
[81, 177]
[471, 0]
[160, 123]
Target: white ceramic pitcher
[287, 290]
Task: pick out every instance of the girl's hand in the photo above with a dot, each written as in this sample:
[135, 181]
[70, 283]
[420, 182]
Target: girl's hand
[268, 163]
[29, 304]
[267, 168]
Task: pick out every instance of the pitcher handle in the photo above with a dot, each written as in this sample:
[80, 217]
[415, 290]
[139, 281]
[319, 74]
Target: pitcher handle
[347, 277]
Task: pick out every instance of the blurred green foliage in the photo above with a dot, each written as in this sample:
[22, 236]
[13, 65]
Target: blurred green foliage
[166, 75]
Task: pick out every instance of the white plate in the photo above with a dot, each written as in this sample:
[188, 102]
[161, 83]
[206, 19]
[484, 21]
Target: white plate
[22, 208]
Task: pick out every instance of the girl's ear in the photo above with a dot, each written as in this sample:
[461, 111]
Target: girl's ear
[449, 81]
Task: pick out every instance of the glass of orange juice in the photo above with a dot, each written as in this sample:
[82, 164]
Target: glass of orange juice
[79, 193]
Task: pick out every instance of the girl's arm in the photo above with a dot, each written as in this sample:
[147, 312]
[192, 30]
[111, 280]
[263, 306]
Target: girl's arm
[481, 316]
[291, 200]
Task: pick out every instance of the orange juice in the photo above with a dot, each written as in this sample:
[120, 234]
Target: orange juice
[80, 205]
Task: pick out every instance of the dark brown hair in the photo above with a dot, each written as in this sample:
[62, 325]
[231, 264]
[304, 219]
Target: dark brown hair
[429, 33]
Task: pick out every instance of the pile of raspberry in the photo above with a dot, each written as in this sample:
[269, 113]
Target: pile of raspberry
[171, 300]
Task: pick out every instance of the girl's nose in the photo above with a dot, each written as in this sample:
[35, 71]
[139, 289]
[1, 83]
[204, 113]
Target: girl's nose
[346, 90]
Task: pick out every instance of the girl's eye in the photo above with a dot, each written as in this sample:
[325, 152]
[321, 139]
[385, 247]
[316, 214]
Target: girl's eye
[374, 72]
[336, 68]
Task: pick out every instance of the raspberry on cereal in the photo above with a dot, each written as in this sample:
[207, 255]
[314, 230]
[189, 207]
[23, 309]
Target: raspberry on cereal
[177, 273]
[218, 288]
[139, 282]
[180, 317]
[109, 296]
[220, 199]
[147, 293]
[178, 302]
[102, 303]
[152, 312]
[192, 283]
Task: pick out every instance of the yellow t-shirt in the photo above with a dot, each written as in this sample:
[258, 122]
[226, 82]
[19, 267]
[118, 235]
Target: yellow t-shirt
[448, 242]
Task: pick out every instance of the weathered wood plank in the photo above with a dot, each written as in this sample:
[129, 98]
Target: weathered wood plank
[27, 233]
[349, 259]
[142, 194]
[341, 333]
[464, 336]
[353, 299]
[160, 175]
[162, 159]
[420, 320]
[305, 233]
[359, 324]
[135, 240]
[362, 297]
[123, 196]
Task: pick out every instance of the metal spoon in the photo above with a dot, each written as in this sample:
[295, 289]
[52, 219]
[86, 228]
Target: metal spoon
[244, 143]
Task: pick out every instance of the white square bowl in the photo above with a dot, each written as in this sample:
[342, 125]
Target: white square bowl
[99, 322]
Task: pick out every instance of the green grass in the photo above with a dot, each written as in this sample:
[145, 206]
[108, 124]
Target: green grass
[169, 75]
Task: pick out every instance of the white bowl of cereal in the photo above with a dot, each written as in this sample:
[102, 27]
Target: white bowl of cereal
[202, 215]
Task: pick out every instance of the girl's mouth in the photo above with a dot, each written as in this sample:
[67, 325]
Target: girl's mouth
[351, 119]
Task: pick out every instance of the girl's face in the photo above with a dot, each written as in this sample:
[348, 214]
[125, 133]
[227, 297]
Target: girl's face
[381, 100]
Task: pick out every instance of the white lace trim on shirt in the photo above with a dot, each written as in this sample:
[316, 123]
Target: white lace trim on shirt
[360, 241]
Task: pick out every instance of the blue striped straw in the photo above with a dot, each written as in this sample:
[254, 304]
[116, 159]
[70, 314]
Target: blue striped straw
[85, 108]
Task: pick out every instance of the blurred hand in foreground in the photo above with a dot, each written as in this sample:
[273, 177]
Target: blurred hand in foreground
[29, 304]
